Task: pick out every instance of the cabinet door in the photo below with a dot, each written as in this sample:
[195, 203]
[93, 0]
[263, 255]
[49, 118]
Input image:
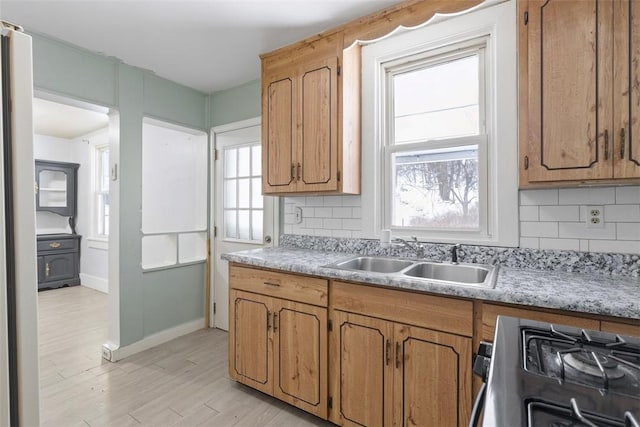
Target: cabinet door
[59, 267]
[432, 381]
[362, 370]
[278, 133]
[626, 91]
[570, 45]
[250, 343]
[41, 270]
[300, 355]
[318, 127]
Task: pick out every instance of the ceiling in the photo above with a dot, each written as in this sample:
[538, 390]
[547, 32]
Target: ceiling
[65, 121]
[208, 45]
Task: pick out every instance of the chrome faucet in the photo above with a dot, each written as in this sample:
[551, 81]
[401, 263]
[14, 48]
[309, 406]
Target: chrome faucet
[454, 253]
[414, 246]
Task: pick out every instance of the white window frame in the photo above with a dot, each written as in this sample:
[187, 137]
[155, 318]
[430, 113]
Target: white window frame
[429, 58]
[494, 26]
[98, 191]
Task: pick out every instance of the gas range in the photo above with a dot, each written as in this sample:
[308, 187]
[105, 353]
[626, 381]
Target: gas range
[552, 375]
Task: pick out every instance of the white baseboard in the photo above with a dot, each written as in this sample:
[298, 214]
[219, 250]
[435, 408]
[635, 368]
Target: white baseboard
[113, 353]
[94, 282]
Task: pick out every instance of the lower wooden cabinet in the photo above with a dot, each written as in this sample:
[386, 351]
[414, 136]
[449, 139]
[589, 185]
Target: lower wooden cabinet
[490, 313]
[366, 356]
[280, 348]
[412, 376]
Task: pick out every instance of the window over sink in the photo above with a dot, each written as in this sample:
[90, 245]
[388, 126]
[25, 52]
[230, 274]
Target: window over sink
[440, 121]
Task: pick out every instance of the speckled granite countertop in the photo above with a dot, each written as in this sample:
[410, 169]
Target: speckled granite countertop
[605, 295]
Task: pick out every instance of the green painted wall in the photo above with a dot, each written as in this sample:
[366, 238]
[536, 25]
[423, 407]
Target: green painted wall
[153, 301]
[235, 104]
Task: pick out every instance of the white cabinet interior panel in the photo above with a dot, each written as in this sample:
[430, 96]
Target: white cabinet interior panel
[174, 195]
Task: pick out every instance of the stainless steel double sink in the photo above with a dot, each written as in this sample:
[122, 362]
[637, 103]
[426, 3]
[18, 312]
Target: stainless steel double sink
[478, 275]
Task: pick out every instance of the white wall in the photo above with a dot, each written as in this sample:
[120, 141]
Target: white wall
[549, 218]
[94, 264]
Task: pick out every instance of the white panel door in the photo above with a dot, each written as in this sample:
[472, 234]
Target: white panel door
[243, 218]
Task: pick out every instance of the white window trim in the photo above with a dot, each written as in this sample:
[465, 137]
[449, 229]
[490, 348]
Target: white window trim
[499, 23]
[97, 179]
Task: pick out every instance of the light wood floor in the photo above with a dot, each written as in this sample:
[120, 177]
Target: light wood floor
[183, 382]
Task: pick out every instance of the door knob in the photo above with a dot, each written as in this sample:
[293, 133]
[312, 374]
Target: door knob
[267, 239]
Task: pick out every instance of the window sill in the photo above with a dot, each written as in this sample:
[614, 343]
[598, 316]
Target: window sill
[98, 243]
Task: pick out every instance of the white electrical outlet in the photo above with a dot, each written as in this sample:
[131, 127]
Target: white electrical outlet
[298, 212]
[106, 353]
[595, 217]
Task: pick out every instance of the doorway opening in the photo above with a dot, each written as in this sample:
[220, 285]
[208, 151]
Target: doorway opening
[241, 217]
[74, 148]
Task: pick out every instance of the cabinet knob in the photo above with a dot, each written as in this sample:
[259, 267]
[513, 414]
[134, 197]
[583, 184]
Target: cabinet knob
[622, 143]
[54, 245]
[606, 144]
[46, 269]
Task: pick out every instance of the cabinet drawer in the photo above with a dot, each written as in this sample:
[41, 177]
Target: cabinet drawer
[491, 312]
[57, 244]
[292, 287]
[429, 311]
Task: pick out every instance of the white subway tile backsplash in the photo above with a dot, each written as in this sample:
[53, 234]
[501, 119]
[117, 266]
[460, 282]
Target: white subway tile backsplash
[351, 200]
[622, 213]
[620, 246]
[587, 196]
[341, 233]
[538, 229]
[333, 200]
[313, 200]
[352, 224]
[324, 212]
[579, 230]
[628, 231]
[584, 246]
[530, 242]
[560, 244]
[313, 223]
[342, 212]
[332, 223]
[559, 213]
[628, 195]
[549, 218]
[538, 197]
[529, 213]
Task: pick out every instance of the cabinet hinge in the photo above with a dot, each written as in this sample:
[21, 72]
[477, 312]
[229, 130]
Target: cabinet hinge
[526, 17]
[526, 162]
[330, 325]
[215, 154]
[339, 70]
[215, 231]
[214, 308]
[330, 402]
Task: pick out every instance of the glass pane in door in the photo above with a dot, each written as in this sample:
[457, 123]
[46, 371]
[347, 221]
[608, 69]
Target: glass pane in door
[242, 198]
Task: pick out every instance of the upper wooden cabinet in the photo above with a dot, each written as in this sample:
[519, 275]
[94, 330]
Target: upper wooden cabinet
[310, 118]
[578, 117]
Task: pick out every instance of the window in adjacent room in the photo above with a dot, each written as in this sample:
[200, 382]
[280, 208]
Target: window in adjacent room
[102, 191]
